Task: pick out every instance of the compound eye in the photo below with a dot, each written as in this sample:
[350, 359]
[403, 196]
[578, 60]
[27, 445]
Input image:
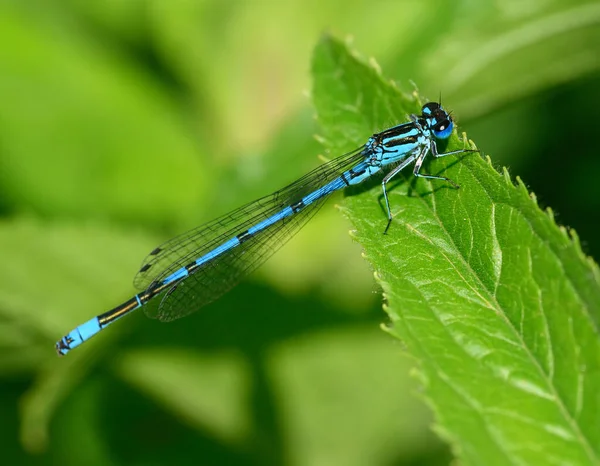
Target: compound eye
[443, 129]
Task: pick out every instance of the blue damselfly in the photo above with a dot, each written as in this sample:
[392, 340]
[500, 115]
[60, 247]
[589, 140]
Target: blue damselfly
[197, 267]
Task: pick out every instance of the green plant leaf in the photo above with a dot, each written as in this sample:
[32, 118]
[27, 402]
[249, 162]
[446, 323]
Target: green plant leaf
[516, 49]
[517, 52]
[169, 375]
[108, 136]
[497, 302]
[54, 276]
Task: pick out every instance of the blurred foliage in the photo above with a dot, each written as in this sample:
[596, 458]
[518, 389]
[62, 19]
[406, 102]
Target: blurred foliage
[125, 122]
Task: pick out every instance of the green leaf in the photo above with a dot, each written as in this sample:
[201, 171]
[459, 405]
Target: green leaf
[497, 302]
[512, 48]
[55, 276]
[337, 389]
[108, 136]
[517, 53]
[312, 380]
[168, 375]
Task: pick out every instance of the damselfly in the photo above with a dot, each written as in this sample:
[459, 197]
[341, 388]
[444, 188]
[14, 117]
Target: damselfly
[197, 267]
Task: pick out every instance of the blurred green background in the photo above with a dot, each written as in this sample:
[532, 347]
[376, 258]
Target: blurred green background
[125, 122]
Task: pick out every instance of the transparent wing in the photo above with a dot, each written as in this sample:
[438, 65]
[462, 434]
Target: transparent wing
[216, 277]
[219, 276]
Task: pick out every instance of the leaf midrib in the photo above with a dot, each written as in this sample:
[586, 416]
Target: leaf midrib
[499, 310]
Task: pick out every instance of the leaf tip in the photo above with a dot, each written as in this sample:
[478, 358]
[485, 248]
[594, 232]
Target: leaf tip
[386, 327]
[349, 40]
[574, 237]
[415, 91]
[507, 177]
[375, 66]
[523, 188]
[533, 197]
[420, 377]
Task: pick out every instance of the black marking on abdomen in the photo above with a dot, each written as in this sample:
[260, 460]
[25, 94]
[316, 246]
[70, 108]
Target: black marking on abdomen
[343, 177]
[114, 314]
[243, 236]
[297, 206]
[191, 267]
